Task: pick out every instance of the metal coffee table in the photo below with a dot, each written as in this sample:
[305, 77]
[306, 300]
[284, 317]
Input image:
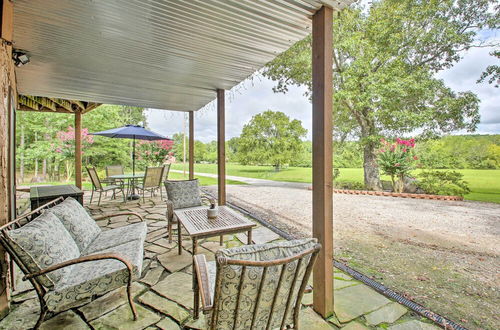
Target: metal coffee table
[197, 224]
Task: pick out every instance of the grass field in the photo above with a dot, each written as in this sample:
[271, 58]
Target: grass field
[484, 184]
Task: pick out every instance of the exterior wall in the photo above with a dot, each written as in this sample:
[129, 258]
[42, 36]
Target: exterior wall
[7, 82]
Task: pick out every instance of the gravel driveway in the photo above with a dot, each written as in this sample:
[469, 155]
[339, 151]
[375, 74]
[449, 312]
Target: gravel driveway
[431, 251]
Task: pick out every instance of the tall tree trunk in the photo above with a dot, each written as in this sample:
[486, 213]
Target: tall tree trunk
[21, 163]
[370, 167]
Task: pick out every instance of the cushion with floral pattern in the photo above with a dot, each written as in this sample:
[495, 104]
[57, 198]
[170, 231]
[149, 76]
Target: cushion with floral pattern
[77, 221]
[42, 243]
[185, 193]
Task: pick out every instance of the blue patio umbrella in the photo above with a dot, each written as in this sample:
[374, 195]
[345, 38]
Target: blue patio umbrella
[132, 132]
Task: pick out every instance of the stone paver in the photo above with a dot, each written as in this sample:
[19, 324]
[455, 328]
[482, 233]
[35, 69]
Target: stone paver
[177, 287]
[340, 284]
[23, 317]
[167, 324]
[354, 301]
[355, 325]
[66, 320]
[110, 301]
[199, 324]
[388, 314]
[174, 262]
[308, 319]
[413, 325]
[164, 306]
[263, 235]
[152, 276]
[121, 318]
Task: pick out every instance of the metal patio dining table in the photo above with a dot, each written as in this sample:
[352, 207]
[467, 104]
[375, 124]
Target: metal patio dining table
[131, 181]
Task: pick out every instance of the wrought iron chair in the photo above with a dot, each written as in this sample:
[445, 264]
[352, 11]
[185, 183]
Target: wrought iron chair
[152, 181]
[254, 286]
[183, 194]
[98, 187]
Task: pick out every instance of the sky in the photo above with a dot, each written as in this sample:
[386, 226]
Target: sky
[256, 96]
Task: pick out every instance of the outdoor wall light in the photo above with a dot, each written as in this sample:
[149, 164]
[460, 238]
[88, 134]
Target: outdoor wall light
[20, 57]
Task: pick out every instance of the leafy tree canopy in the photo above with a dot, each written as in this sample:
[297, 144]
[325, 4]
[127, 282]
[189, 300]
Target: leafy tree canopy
[271, 138]
[385, 59]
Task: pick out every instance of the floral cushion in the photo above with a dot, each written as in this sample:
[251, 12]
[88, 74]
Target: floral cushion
[230, 279]
[96, 277]
[42, 243]
[185, 193]
[117, 236]
[77, 221]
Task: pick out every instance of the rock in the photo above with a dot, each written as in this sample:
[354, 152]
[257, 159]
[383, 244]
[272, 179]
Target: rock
[354, 301]
[341, 276]
[121, 318]
[156, 249]
[387, 314]
[411, 185]
[167, 324]
[177, 287]
[24, 296]
[22, 317]
[199, 324]
[307, 299]
[308, 319]
[66, 320]
[152, 276]
[212, 246]
[164, 306]
[414, 325]
[174, 262]
[340, 284]
[110, 301]
[156, 216]
[165, 243]
[263, 235]
[355, 325]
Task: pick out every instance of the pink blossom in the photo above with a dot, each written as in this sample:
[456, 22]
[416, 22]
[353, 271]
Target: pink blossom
[397, 164]
[415, 157]
[404, 149]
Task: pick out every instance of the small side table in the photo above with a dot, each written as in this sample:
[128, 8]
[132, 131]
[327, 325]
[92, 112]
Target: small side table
[44, 194]
[198, 225]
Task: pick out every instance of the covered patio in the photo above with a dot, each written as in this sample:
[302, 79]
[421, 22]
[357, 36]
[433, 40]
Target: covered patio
[164, 295]
[177, 56]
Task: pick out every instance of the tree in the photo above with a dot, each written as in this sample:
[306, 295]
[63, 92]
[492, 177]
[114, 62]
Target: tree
[271, 138]
[492, 72]
[385, 59]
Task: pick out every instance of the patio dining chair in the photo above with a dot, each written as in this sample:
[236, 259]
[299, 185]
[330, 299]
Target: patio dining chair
[254, 286]
[182, 194]
[97, 186]
[113, 170]
[152, 181]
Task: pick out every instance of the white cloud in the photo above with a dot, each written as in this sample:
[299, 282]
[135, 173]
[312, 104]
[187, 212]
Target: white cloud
[257, 96]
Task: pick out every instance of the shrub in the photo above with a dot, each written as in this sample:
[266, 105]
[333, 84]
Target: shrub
[443, 183]
[349, 185]
[397, 160]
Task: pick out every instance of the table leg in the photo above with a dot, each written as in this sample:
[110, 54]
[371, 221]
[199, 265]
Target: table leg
[221, 240]
[179, 236]
[249, 234]
[195, 245]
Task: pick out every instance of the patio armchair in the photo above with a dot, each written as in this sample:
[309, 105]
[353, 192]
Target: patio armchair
[97, 186]
[166, 171]
[152, 181]
[183, 194]
[254, 286]
[68, 259]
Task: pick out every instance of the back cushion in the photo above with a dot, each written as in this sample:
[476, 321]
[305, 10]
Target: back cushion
[42, 243]
[77, 221]
[184, 193]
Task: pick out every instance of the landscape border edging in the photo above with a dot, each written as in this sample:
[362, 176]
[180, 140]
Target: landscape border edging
[400, 195]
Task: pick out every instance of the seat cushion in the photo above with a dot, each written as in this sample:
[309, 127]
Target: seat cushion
[110, 238]
[42, 243]
[77, 221]
[182, 194]
[96, 277]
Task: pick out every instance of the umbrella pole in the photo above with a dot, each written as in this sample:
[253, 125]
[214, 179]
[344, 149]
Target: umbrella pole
[133, 157]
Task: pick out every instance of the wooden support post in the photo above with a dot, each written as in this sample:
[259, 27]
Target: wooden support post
[221, 147]
[191, 145]
[8, 99]
[322, 199]
[78, 149]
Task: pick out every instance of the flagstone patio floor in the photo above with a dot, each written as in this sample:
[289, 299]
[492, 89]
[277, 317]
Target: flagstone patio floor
[164, 296]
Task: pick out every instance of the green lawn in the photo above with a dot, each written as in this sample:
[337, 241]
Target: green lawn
[484, 184]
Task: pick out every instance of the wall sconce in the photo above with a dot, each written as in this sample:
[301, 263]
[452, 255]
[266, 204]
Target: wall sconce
[20, 57]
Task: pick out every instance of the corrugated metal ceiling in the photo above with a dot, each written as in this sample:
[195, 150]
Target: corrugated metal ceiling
[152, 53]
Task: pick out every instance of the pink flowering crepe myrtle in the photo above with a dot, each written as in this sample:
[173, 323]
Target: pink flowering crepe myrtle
[397, 160]
[154, 152]
[65, 141]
